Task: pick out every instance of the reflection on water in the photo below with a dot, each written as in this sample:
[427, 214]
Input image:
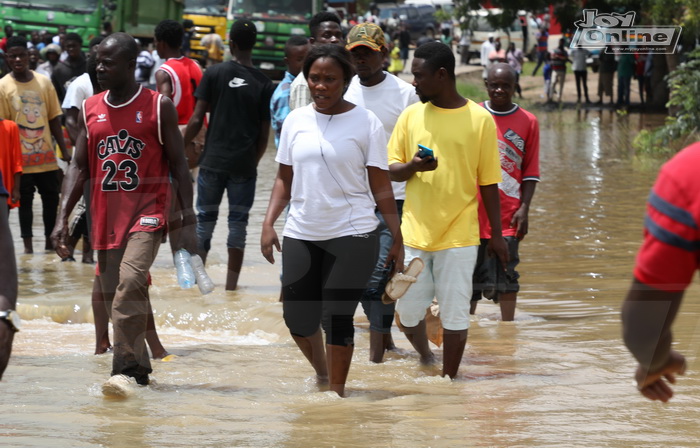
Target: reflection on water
[557, 376]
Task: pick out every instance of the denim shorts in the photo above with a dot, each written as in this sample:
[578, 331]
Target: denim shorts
[511, 277]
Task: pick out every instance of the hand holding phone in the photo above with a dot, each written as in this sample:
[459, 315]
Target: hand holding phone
[424, 151]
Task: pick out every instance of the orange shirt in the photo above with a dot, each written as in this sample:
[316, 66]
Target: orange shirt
[10, 156]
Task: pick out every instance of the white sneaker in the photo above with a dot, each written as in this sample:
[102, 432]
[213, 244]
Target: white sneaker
[119, 386]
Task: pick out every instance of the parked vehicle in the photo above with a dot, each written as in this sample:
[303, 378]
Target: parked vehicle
[276, 22]
[524, 36]
[208, 16]
[85, 17]
[419, 19]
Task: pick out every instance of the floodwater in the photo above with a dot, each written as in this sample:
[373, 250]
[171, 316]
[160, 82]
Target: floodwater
[558, 376]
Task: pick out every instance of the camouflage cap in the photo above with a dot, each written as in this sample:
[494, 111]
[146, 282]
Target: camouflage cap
[367, 34]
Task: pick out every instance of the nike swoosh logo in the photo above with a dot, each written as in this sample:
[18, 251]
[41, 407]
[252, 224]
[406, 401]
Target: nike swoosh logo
[237, 82]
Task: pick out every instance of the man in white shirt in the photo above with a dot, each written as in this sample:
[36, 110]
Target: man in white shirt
[486, 48]
[325, 29]
[371, 88]
[578, 65]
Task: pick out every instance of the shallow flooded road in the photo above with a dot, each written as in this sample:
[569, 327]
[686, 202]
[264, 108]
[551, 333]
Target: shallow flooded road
[558, 376]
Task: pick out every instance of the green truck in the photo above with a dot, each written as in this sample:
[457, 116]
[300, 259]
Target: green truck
[276, 21]
[85, 17]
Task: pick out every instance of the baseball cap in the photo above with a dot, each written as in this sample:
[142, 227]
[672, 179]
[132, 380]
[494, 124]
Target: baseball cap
[367, 34]
[50, 48]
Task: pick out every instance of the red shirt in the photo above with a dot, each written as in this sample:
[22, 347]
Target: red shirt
[669, 255]
[129, 172]
[10, 156]
[185, 76]
[519, 149]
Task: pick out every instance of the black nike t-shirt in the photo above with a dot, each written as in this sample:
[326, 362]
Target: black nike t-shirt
[239, 103]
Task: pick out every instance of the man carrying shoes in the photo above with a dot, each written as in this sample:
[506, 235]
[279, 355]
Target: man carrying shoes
[440, 217]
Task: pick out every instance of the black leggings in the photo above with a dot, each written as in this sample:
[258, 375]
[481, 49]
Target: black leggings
[322, 282]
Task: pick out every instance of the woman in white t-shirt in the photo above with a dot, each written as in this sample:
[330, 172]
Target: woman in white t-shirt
[333, 169]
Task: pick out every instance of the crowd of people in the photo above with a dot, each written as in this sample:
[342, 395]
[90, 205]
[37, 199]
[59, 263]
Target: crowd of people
[374, 173]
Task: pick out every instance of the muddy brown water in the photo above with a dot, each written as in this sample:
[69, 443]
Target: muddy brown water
[558, 376]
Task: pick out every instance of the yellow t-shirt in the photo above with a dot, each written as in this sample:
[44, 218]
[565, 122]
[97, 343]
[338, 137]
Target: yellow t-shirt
[441, 208]
[32, 105]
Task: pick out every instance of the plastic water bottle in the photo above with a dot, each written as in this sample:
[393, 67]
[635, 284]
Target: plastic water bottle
[203, 281]
[185, 275]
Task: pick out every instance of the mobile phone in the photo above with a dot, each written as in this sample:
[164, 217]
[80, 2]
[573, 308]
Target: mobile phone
[424, 151]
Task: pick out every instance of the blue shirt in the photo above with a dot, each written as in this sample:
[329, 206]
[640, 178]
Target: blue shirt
[279, 105]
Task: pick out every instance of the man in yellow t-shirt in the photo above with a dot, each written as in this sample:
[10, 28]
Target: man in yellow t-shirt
[29, 99]
[440, 220]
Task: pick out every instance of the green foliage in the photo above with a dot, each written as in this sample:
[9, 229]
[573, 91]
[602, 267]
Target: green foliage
[475, 91]
[442, 16]
[684, 83]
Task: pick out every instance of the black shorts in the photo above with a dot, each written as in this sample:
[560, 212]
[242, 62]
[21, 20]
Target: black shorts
[484, 274]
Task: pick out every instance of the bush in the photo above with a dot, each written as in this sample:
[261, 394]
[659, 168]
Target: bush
[684, 85]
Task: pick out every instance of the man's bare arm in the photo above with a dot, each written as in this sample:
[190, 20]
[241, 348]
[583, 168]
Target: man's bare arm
[73, 184]
[491, 199]
[647, 316]
[72, 123]
[175, 153]
[164, 84]
[196, 121]
[400, 172]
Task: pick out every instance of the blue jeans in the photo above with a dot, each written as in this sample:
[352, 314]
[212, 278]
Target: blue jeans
[210, 191]
[380, 316]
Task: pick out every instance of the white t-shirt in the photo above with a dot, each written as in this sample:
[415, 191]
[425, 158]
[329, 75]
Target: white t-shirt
[387, 100]
[486, 48]
[329, 155]
[78, 90]
[578, 59]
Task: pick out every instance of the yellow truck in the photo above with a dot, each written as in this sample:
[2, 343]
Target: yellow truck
[208, 16]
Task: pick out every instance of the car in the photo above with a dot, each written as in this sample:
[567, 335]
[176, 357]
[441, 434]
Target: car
[419, 19]
[523, 31]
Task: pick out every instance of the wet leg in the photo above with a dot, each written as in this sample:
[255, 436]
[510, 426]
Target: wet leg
[235, 262]
[313, 350]
[101, 317]
[418, 338]
[507, 303]
[152, 339]
[454, 343]
[339, 358]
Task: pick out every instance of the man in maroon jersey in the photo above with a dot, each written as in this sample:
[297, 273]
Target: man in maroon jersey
[129, 147]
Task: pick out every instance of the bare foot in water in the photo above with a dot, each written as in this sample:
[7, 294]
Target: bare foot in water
[428, 360]
[161, 354]
[28, 249]
[102, 349]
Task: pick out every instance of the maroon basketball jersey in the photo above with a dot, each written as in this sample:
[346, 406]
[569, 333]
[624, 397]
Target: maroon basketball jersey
[129, 171]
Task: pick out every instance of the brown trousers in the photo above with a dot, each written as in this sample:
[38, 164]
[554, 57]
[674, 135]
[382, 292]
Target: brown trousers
[124, 281]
